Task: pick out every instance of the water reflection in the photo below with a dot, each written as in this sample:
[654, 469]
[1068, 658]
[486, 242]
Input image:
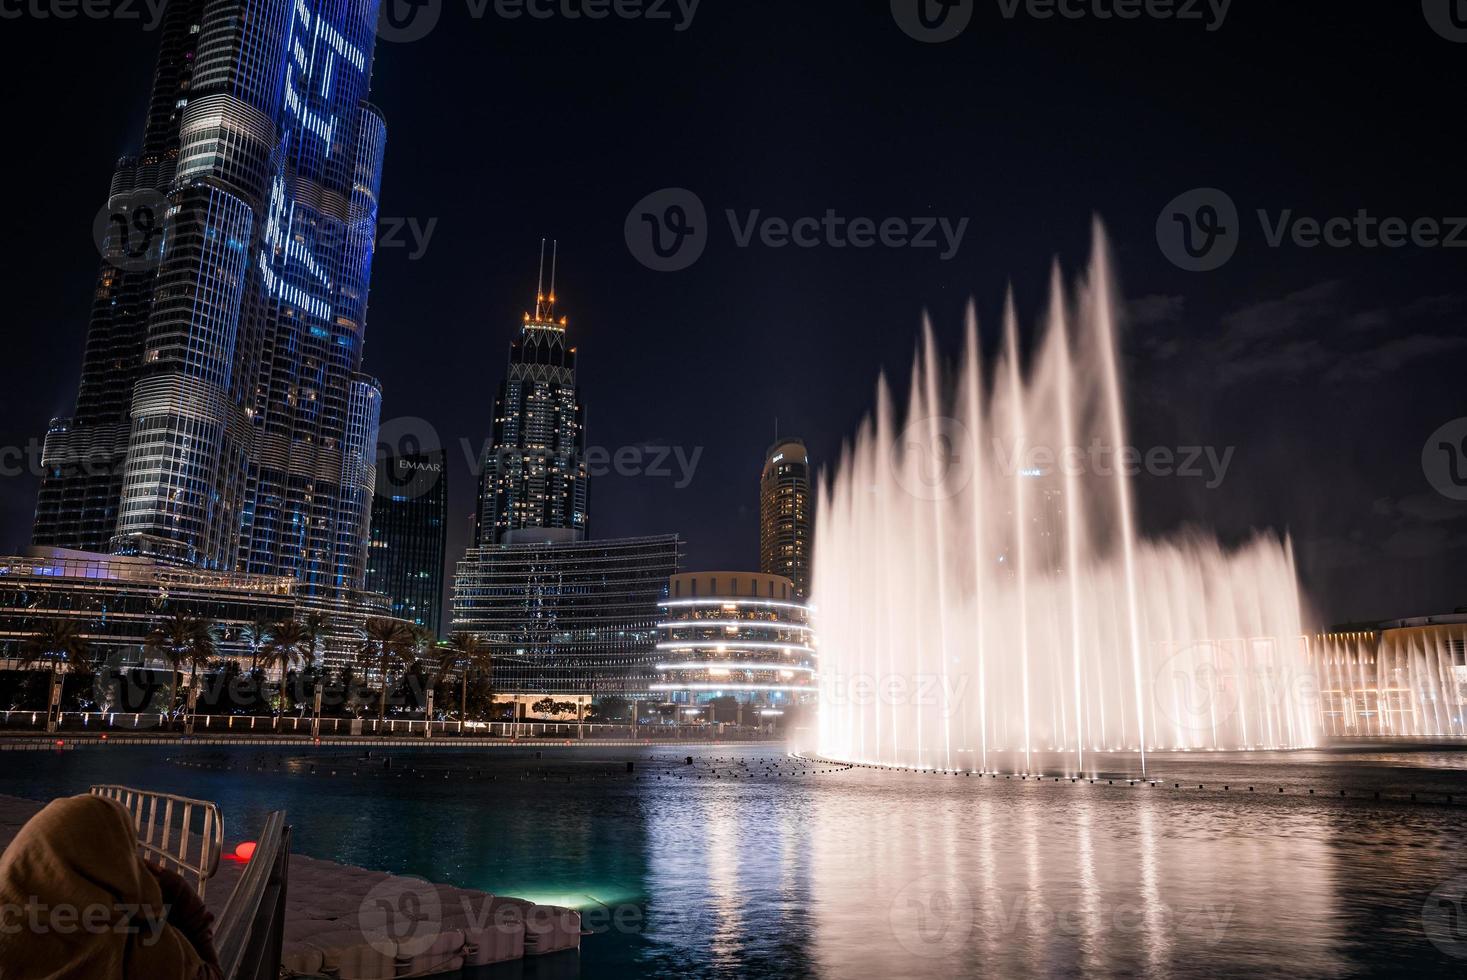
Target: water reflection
[878, 873]
[916, 875]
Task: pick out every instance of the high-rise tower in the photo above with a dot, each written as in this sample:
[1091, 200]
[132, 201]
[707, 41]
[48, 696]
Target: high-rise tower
[534, 471]
[84, 453]
[785, 514]
[222, 383]
[410, 535]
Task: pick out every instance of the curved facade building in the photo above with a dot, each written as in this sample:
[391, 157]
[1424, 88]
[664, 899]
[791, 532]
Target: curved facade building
[786, 514]
[248, 437]
[745, 635]
[564, 616]
[85, 452]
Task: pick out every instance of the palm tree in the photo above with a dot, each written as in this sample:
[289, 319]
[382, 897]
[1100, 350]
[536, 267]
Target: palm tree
[288, 643]
[256, 636]
[57, 642]
[388, 644]
[470, 655]
[423, 656]
[314, 627]
[182, 639]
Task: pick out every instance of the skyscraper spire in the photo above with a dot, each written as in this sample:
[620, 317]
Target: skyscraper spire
[544, 314]
[540, 282]
[534, 472]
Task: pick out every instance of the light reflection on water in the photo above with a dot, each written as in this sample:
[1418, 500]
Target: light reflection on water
[878, 873]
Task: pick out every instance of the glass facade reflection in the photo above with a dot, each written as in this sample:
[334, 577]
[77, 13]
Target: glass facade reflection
[572, 617]
[409, 536]
[222, 388]
[116, 601]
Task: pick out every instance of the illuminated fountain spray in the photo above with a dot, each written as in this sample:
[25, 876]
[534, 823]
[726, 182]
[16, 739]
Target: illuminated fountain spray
[983, 599]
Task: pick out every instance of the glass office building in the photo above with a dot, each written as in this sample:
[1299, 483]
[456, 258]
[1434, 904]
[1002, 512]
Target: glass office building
[568, 617]
[409, 536]
[223, 420]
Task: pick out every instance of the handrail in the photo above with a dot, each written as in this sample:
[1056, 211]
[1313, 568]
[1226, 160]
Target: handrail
[251, 929]
[156, 836]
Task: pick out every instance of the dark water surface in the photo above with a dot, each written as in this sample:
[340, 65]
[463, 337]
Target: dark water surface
[750, 864]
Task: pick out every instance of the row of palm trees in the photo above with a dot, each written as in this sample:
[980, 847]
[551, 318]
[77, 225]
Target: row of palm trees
[184, 642]
[392, 647]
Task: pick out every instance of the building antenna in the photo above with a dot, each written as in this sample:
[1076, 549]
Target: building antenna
[554, 255]
[540, 285]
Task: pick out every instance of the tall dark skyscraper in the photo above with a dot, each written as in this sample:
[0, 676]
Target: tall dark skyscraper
[786, 514]
[223, 420]
[534, 472]
[410, 535]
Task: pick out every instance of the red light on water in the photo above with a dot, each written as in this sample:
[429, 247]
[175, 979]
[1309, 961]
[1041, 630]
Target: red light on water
[245, 851]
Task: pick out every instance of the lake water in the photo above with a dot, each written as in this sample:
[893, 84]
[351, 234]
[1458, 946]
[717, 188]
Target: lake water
[750, 864]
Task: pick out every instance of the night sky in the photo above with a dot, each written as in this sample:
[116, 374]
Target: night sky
[1325, 368]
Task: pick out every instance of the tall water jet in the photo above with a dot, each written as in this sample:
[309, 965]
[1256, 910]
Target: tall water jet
[1021, 522]
[983, 598]
[1104, 313]
[1059, 329]
[973, 382]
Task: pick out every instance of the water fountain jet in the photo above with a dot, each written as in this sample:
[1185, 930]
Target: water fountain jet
[979, 576]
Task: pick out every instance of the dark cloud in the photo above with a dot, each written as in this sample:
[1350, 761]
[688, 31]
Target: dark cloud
[1155, 309]
[1318, 331]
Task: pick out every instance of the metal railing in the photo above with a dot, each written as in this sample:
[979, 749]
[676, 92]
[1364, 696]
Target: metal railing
[86, 722]
[190, 844]
[251, 929]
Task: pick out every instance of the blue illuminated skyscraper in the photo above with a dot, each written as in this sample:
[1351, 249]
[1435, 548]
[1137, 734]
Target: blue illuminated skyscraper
[239, 427]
